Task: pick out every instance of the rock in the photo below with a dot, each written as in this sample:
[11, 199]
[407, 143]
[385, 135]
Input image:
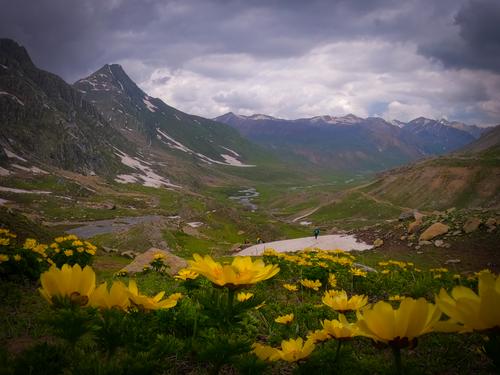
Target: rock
[240, 232]
[424, 243]
[129, 254]
[450, 210]
[109, 249]
[457, 233]
[420, 252]
[378, 242]
[365, 267]
[409, 244]
[438, 243]
[174, 262]
[433, 231]
[414, 227]
[402, 238]
[411, 237]
[471, 224]
[417, 248]
[452, 261]
[418, 216]
[407, 215]
[446, 245]
[491, 223]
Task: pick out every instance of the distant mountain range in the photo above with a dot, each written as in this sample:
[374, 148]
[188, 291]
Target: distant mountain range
[353, 143]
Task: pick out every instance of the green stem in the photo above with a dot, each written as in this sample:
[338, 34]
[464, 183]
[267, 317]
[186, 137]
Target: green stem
[397, 360]
[230, 302]
[339, 345]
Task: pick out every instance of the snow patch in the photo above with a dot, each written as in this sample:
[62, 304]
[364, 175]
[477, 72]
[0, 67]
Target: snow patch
[4, 172]
[13, 97]
[12, 155]
[3, 201]
[125, 179]
[4, 66]
[33, 169]
[231, 151]
[22, 191]
[305, 223]
[146, 174]
[151, 107]
[195, 224]
[235, 162]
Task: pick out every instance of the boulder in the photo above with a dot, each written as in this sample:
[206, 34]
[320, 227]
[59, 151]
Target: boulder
[414, 227]
[174, 262]
[378, 242]
[407, 215]
[472, 224]
[435, 230]
[491, 223]
[424, 243]
[438, 243]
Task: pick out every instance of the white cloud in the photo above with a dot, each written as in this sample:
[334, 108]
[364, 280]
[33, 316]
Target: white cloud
[365, 77]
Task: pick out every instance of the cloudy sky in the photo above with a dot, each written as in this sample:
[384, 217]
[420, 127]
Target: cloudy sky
[391, 58]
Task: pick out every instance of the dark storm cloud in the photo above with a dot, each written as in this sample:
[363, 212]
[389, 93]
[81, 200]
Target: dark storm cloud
[476, 44]
[73, 37]
[339, 51]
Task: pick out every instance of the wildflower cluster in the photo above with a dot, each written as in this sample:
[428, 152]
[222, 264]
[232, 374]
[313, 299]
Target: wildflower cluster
[71, 250]
[30, 258]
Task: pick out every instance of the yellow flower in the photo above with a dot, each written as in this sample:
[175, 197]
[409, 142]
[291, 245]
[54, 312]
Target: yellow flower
[397, 297]
[291, 350]
[80, 249]
[341, 328]
[116, 297]
[311, 284]
[69, 281]
[4, 241]
[284, 319]
[185, 274]
[90, 251]
[242, 271]
[77, 243]
[332, 280]
[68, 253]
[150, 303]
[385, 272]
[17, 257]
[473, 311]
[338, 301]
[399, 328]
[59, 239]
[358, 272]
[242, 297]
[319, 335]
[158, 256]
[290, 287]
[30, 243]
[4, 258]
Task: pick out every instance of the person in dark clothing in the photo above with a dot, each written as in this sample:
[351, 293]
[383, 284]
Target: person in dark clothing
[316, 233]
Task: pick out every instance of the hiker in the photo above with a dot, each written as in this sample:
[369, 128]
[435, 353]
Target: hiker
[316, 233]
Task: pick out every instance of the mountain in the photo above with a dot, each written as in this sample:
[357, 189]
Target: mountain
[433, 137]
[105, 125]
[43, 120]
[137, 115]
[350, 143]
[469, 177]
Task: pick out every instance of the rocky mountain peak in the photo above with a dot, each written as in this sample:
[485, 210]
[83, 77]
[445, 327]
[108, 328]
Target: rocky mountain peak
[12, 53]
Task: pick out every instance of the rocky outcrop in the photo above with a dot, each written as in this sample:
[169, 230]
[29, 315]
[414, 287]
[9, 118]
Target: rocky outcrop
[471, 225]
[173, 262]
[435, 230]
